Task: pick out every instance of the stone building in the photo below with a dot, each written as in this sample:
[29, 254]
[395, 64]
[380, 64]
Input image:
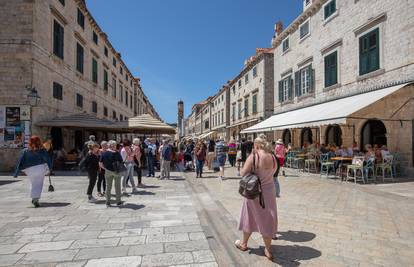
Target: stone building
[251, 93]
[344, 74]
[56, 47]
[220, 114]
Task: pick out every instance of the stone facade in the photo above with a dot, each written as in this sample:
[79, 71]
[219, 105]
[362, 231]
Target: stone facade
[254, 86]
[220, 113]
[341, 33]
[27, 59]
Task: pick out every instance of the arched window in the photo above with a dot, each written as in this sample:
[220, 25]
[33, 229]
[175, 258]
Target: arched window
[334, 135]
[306, 136]
[374, 133]
[286, 137]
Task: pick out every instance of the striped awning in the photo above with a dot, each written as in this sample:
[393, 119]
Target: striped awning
[145, 124]
[80, 120]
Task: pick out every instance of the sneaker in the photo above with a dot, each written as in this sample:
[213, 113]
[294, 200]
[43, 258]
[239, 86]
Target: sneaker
[91, 199]
[141, 186]
[100, 194]
[119, 203]
[35, 203]
[108, 204]
[124, 190]
[128, 186]
[134, 190]
[283, 173]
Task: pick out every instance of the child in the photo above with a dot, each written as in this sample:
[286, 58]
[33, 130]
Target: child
[91, 165]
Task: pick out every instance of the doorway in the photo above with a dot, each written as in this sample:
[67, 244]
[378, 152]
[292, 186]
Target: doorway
[57, 138]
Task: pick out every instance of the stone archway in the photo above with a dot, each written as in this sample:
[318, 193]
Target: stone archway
[373, 132]
[306, 136]
[286, 137]
[333, 135]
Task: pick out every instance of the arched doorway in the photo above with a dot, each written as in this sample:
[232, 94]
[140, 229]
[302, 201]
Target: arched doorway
[374, 133]
[334, 135]
[286, 137]
[57, 138]
[306, 136]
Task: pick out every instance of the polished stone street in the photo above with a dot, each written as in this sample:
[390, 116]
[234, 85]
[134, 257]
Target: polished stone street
[193, 222]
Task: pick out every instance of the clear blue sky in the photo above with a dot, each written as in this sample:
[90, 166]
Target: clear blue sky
[188, 48]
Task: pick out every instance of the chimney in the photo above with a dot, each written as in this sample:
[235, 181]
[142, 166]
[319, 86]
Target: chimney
[278, 28]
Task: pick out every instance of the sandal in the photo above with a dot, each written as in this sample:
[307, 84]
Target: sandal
[268, 256]
[239, 246]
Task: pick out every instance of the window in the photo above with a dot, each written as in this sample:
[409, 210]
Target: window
[114, 62]
[206, 125]
[254, 72]
[121, 93]
[79, 100]
[246, 78]
[130, 101]
[285, 89]
[233, 89]
[329, 9]
[58, 34]
[94, 107]
[246, 107]
[62, 2]
[105, 77]
[106, 51]
[114, 87]
[126, 77]
[304, 29]
[114, 115]
[121, 117]
[285, 44]
[81, 19]
[233, 117]
[222, 97]
[57, 91]
[222, 116]
[95, 37]
[126, 98]
[240, 83]
[369, 52]
[239, 110]
[105, 111]
[254, 104]
[121, 70]
[79, 58]
[304, 81]
[94, 71]
[331, 69]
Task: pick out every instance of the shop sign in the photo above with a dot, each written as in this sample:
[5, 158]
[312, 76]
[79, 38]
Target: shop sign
[12, 128]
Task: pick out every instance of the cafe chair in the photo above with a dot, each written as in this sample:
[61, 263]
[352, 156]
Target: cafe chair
[385, 168]
[355, 171]
[326, 165]
[369, 171]
[310, 163]
[289, 159]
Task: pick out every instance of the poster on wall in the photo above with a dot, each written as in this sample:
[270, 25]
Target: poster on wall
[12, 116]
[2, 117]
[25, 113]
[9, 134]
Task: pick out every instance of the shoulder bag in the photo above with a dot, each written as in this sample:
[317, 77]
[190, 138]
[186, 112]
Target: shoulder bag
[250, 186]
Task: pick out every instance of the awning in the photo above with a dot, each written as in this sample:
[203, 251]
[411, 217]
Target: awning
[206, 134]
[332, 112]
[81, 120]
[241, 123]
[145, 124]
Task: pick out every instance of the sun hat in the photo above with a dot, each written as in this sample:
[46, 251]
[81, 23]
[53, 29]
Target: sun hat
[279, 141]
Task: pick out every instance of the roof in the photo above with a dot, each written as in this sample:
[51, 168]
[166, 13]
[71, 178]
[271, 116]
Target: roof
[80, 120]
[144, 124]
[332, 112]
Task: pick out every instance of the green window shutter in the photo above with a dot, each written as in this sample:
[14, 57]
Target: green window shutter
[374, 50]
[290, 88]
[334, 69]
[297, 84]
[281, 91]
[363, 57]
[327, 71]
[311, 78]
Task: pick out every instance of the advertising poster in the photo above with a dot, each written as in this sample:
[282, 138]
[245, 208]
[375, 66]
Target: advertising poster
[12, 116]
[9, 134]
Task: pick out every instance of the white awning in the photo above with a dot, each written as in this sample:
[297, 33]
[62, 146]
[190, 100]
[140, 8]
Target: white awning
[206, 134]
[332, 112]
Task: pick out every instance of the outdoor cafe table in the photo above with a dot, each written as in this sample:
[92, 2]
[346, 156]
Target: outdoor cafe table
[343, 159]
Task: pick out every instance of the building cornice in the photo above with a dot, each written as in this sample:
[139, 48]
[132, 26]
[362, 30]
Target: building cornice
[250, 66]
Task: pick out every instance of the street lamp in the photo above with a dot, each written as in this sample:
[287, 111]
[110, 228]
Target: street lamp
[33, 97]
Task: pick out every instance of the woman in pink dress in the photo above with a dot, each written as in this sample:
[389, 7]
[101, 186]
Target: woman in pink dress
[253, 217]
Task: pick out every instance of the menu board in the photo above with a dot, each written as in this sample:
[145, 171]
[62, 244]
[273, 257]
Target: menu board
[12, 128]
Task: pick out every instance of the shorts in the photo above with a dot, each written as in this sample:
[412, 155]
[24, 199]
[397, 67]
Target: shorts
[221, 160]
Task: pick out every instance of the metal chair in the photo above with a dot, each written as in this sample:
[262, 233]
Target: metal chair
[326, 164]
[310, 163]
[289, 159]
[369, 169]
[385, 167]
[355, 171]
[396, 165]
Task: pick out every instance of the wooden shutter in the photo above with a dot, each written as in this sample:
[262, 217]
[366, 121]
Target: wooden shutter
[298, 92]
[373, 50]
[311, 78]
[363, 55]
[290, 88]
[281, 91]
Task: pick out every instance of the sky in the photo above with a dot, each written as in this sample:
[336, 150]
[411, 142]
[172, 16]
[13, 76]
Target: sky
[188, 49]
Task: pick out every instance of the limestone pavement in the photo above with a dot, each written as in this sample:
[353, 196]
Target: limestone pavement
[158, 226]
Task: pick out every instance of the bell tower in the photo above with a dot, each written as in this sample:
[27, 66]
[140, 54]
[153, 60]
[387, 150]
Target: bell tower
[180, 118]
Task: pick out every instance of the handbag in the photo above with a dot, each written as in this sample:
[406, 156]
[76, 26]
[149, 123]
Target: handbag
[250, 186]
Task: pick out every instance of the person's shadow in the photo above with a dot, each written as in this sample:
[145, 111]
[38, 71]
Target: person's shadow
[289, 255]
[53, 204]
[296, 236]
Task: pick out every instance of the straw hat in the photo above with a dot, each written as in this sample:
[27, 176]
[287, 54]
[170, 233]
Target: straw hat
[279, 141]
